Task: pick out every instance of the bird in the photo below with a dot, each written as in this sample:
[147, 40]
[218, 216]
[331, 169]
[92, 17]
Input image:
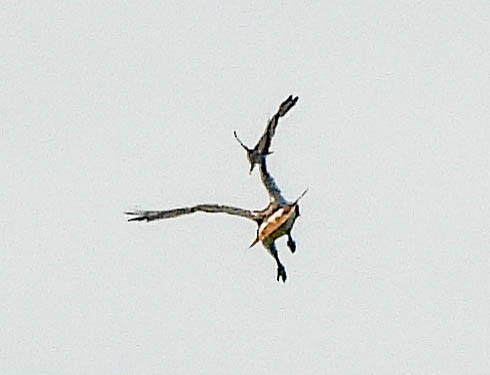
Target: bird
[274, 221]
[261, 149]
[278, 222]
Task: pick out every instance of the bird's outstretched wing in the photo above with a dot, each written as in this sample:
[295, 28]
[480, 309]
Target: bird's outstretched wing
[264, 143]
[142, 215]
[262, 148]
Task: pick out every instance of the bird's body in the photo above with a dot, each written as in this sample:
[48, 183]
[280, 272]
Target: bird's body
[274, 221]
[278, 223]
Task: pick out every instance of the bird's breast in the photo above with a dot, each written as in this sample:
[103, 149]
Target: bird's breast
[277, 224]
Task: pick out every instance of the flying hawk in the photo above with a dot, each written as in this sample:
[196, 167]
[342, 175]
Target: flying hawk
[274, 221]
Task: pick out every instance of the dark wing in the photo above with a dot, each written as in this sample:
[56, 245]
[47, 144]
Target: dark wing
[142, 215]
[263, 145]
[262, 148]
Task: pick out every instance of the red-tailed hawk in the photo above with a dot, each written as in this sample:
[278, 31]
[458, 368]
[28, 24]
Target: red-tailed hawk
[274, 221]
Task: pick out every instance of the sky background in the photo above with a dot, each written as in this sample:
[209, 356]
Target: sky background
[109, 106]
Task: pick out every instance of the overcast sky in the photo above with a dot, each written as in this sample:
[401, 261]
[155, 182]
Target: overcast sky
[109, 106]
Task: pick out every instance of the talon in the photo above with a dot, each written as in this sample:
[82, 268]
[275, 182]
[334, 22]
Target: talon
[281, 273]
[291, 245]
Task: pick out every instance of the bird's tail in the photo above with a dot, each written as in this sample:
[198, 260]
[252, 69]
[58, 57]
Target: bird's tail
[301, 196]
[254, 243]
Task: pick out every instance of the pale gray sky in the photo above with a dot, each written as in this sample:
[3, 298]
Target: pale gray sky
[108, 106]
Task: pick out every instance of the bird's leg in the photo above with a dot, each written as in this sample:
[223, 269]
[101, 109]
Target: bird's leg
[281, 271]
[291, 243]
